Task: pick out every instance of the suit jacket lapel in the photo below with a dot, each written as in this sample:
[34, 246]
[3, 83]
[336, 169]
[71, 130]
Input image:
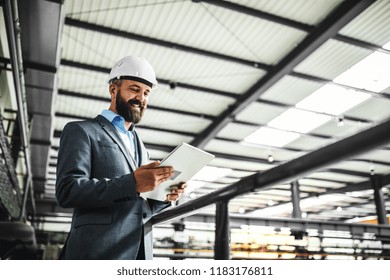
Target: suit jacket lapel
[143, 155]
[114, 134]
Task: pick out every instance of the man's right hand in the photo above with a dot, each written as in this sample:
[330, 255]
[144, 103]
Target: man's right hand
[149, 176]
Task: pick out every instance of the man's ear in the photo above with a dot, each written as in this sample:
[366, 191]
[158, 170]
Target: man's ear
[112, 90]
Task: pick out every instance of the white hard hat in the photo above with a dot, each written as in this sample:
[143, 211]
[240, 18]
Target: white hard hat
[133, 68]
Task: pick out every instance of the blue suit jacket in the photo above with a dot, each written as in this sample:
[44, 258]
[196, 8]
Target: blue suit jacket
[95, 177]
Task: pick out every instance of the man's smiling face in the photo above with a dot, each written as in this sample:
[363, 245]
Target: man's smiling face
[131, 100]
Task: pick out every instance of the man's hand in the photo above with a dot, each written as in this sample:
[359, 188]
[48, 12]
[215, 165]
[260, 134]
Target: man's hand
[149, 176]
[176, 191]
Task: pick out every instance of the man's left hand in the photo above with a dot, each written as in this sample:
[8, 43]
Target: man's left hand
[176, 191]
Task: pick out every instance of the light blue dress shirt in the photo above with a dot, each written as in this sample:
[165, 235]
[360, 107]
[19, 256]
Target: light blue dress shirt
[126, 135]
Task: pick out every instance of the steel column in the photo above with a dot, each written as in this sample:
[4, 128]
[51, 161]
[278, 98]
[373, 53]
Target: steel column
[222, 232]
[295, 199]
[379, 200]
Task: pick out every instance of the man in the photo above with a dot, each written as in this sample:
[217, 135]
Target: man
[103, 169]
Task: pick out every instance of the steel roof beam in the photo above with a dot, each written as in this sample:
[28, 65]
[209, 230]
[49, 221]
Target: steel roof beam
[107, 99]
[104, 70]
[260, 14]
[162, 43]
[347, 11]
[360, 43]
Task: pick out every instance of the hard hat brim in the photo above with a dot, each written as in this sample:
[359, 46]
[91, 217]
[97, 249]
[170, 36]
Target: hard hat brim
[133, 78]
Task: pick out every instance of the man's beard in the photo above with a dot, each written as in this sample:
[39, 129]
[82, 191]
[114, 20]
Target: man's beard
[126, 110]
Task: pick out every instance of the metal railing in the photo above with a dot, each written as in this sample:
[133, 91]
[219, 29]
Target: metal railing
[287, 172]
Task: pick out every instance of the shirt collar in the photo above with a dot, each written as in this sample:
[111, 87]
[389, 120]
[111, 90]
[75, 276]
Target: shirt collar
[116, 120]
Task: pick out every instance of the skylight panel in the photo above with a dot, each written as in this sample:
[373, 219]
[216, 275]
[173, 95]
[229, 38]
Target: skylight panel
[371, 73]
[270, 137]
[386, 46]
[278, 210]
[306, 203]
[298, 120]
[332, 99]
[193, 185]
[211, 173]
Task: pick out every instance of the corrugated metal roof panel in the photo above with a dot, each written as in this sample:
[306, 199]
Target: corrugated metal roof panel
[236, 131]
[374, 109]
[349, 128]
[376, 155]
[220, 146]
[198, 25]
[90, 47]
[259, 113]
[242, 150]
[285, 193]
[260, 40]
[320, 217]
[176, 65]
[307, 143]
[83, 81]
[290, 90]
[189, 100]
[307, 11]
[162, 138]
[338, 177]
[273, 197]
[331, 59]
[80, 107]
[372, 25]
[252, 197]
[240, 164]
[227, 180]
[173, 121]
[311, 189]
[206, 72]
[364, 167]
[320, 183]
[239, 202]
[94, 84]
[240, 174]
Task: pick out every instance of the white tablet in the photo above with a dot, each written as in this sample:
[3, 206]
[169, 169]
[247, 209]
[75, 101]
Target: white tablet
[187, 160]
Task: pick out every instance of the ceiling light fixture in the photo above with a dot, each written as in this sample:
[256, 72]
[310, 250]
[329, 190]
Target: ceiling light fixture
[340, 121]
[270, 158]
[372, 170]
